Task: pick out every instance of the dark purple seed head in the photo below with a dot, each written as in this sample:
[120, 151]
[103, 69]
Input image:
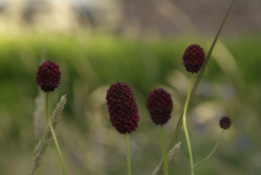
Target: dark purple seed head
[225, 122]
[48, 76]
[122, 108]
[193, 58]
[160, 106]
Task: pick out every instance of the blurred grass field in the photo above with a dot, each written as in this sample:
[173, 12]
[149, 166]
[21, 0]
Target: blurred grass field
[90, 63]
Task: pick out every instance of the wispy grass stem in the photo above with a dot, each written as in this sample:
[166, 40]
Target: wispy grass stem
[53, 134]
[128, 153]
[212, 152]
[164, 150]
[195, 86]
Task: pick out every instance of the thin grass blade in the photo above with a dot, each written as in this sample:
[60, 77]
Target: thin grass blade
[195, 86]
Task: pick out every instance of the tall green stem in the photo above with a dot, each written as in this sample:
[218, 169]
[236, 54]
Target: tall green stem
[212, 152]
[128, 154]
[199, 77]
[179, 124]
[185, 125]
[53, 134]
[164, 150]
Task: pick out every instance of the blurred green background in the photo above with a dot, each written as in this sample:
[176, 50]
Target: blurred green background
[93, 57]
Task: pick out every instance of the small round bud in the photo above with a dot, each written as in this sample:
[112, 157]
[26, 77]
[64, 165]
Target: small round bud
[48, 76]
[160, 106]
[225, 122]
[122, 108]
[193, 58]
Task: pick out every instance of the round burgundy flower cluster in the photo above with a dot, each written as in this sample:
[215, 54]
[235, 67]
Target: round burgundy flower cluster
[225, 122]
[160, 106]
[122, 108]
[48, 76]
[193, 58]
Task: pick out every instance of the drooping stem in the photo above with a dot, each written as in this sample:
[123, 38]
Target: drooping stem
[164, 150]
[53, 134]
[212, 152]
[128, 154]
[185, 125]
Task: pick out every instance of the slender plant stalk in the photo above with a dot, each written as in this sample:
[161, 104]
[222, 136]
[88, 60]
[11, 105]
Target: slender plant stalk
[212, 152]
[185, 124]
[179, 124]
[128, 154]
[53, 134]
[209, 53]
[201, 72]
[164, 150]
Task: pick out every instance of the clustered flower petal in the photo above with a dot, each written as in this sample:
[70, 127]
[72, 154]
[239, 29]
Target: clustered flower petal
[193, 58]
[48, 76]
[122, 107]
[225, 122]
[160, 106]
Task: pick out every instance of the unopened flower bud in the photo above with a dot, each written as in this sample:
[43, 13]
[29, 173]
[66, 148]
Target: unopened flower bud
[225, 122]
[160, 106]
[193, 58]
[48, 76]
[122, 108]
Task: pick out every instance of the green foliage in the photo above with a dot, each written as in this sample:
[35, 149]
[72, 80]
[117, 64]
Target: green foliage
[89, 64]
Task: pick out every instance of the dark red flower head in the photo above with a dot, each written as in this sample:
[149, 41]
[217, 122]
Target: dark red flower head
[225, 122]
[160, 105]
[122, 108]
[48, 76]
[193, 58]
